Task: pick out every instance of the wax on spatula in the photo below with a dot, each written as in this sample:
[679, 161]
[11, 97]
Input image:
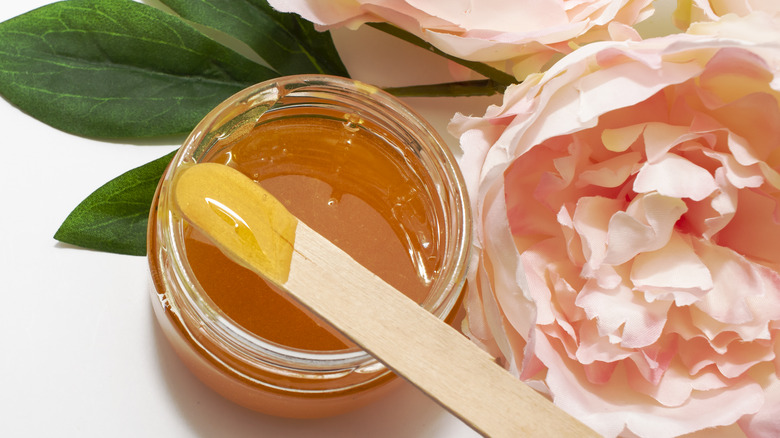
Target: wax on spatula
[255, 230]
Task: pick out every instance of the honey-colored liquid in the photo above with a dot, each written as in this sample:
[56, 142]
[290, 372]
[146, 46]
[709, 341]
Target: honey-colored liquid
[353, 187]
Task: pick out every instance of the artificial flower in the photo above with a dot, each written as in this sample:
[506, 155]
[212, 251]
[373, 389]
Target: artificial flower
[690, 11]
[627, 216]
[517, 36]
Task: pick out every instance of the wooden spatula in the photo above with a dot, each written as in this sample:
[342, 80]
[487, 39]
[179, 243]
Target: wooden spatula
[255, 230]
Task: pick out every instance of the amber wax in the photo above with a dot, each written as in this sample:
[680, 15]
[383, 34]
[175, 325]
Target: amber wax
[357, 167]
[316, 165]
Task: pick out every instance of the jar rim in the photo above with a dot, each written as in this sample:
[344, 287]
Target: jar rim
[255, 101]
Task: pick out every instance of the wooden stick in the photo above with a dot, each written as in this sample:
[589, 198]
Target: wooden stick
[405, 337]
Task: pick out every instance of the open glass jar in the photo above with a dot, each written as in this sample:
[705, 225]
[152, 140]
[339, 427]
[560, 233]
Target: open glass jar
[359, 167]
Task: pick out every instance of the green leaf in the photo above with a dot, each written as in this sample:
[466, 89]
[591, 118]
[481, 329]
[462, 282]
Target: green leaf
[286, 42]
[498, 77]
[117, 68]
[486, 87]
[114, 217]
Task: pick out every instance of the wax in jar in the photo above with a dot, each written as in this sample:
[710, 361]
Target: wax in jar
[351, 186]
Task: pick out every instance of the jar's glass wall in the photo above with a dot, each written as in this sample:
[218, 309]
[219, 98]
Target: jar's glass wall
[265, 375]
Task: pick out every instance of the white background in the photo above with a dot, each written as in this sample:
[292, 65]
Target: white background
[80, 352]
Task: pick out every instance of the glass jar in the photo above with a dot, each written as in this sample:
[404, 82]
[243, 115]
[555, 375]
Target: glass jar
[264, 375]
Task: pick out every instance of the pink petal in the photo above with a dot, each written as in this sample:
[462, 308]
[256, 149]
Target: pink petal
[638, 76]
[622, 32]
[697, 354]
[566, 295]
[599, 372]
[646, 225]
[653, 361]
[753, 119]
[620, 139]
[743, 356]
[676, 177]
[725, 203]
[543, 262]
[706, 219]
[739, 175]
[744, 298]
[672, 389]
[753, 231]
[772, 176]
[733, 74]
[678, 384]
[765, 422]
[591, 219]
[623, 314]
[519, 14]
[482, 323]
[564, 333]
[507, 268]
[660, 138]
[573, 243]
[594, 347]
[610, 410]
[704, 409]
[610, 173]
[531, 217]
[675, 266]
[567, 166]
[333, 13]
[737, 359]
[740, 149]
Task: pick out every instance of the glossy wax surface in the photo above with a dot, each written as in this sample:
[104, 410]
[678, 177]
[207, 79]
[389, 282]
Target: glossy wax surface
[348, 184]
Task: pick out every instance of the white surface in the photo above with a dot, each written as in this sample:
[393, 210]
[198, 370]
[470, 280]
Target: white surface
[80, 352]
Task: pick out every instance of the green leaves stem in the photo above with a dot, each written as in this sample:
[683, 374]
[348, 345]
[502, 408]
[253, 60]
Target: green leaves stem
[115, 216]
[288, 43]
[497, 76]
[485, 87]
[117, 68]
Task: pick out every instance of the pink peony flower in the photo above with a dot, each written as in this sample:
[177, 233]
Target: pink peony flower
[627, 214]
[690, 11]
[517, 36]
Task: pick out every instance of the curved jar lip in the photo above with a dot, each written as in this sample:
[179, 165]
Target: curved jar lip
[243, 111]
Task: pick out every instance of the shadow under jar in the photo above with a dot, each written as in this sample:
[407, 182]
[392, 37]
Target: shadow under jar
[357, 166]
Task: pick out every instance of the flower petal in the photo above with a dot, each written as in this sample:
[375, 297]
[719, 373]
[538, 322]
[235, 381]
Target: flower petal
[674, 176]
[754, 231]
[646, 225]
[660, 138]
[610, 410]
[764, 423]
[591, 219]
[620, 139]
[675, 266]
[623, 314]
[745, 296]
[596, 348]
[610, 173]
[737, 359]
